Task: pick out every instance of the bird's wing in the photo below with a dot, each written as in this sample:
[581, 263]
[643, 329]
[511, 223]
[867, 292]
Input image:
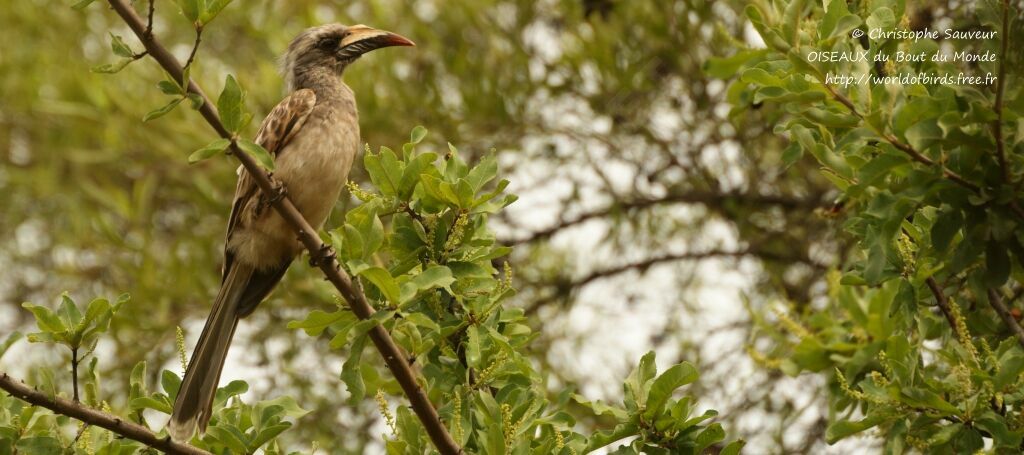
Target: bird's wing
[277, 129]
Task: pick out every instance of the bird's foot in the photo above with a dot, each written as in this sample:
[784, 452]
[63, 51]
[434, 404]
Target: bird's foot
[280, 190]
[324, 255]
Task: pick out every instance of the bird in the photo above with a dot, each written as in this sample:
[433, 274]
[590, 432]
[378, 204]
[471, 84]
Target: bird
[313, 134]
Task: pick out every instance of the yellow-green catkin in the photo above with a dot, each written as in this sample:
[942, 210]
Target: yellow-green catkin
[457, 232]
[179, 341]
[510, 428]
[990, 357]
[844, 385]
[905, 247]
[457, 415]
[84, 440]
[359, 193]
[763, 360]
[488, 373]
[382, 404]
[963, 334]
[791, 325]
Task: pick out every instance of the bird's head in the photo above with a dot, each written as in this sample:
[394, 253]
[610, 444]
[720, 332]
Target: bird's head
[335, 46]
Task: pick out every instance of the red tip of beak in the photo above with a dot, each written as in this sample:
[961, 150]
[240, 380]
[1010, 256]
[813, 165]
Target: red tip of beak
[392, 39]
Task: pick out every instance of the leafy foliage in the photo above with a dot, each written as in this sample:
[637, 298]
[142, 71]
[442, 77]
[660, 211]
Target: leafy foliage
[423, 251]
[235, 427]
[928, 178]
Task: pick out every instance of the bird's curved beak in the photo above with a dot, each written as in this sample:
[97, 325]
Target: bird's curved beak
[362, 39]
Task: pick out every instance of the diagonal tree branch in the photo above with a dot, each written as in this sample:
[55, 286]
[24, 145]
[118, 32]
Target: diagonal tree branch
[996, 301]
[943, 303]
[321, 254]
[96, 418]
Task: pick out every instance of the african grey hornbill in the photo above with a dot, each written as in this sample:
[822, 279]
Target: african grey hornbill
[314, 136]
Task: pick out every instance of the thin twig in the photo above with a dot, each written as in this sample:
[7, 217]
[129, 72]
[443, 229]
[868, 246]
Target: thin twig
[96, 418]
[393, 356]
[195, 48]
[81, 431]
[149, 19]
[940, 298]
[74, 372]
[996, 301]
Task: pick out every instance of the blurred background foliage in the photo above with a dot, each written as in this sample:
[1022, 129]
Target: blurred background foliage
[648, 218]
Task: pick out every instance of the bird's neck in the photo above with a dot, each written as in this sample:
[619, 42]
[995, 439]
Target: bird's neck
[325, 82]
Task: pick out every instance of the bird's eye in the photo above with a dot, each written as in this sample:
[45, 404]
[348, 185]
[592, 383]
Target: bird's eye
[327, 43]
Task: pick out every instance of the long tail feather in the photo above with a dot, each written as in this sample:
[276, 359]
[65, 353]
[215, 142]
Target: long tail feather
[199, 386]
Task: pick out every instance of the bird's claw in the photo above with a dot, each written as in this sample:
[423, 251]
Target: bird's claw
[323, 256]
[280, 191]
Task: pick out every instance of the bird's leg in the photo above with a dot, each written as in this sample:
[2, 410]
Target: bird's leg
[322, 256]
[280, 191]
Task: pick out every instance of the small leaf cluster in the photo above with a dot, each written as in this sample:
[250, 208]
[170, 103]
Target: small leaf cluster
[928, 180]
[231, 107]
[235, 427]
[422, 251]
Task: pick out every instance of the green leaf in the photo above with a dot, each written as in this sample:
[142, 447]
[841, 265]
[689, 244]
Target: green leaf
[159, 403]
[111, 68]
[170, 383]
[845, 24]
[637, 383]
[233, 388]
[82, 4]
[69, 313]
[119, 47]
[728, 67]
[384, 282]
[160, 112]
[843, 428]
[257, 151]
[38, 445]
[225, 436]
[137, 381]
[212, 149]
[601, 409]
[169, 87]
[996, 426]
[485, 171]
[190, 9]
[923, 398]
[213, 8]
[417, 134]
[11, 339]
[605, 437]
[46, 320]
[473, 346]
[881, 18]
[229, 105]
[712, 434]
[350, 372]
[435, 276]
[266, 434]
[663, 386]
[733, 448]
[288, 404]
[317, 321]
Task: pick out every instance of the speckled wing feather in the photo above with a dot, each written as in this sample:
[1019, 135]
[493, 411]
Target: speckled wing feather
[277, 129]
